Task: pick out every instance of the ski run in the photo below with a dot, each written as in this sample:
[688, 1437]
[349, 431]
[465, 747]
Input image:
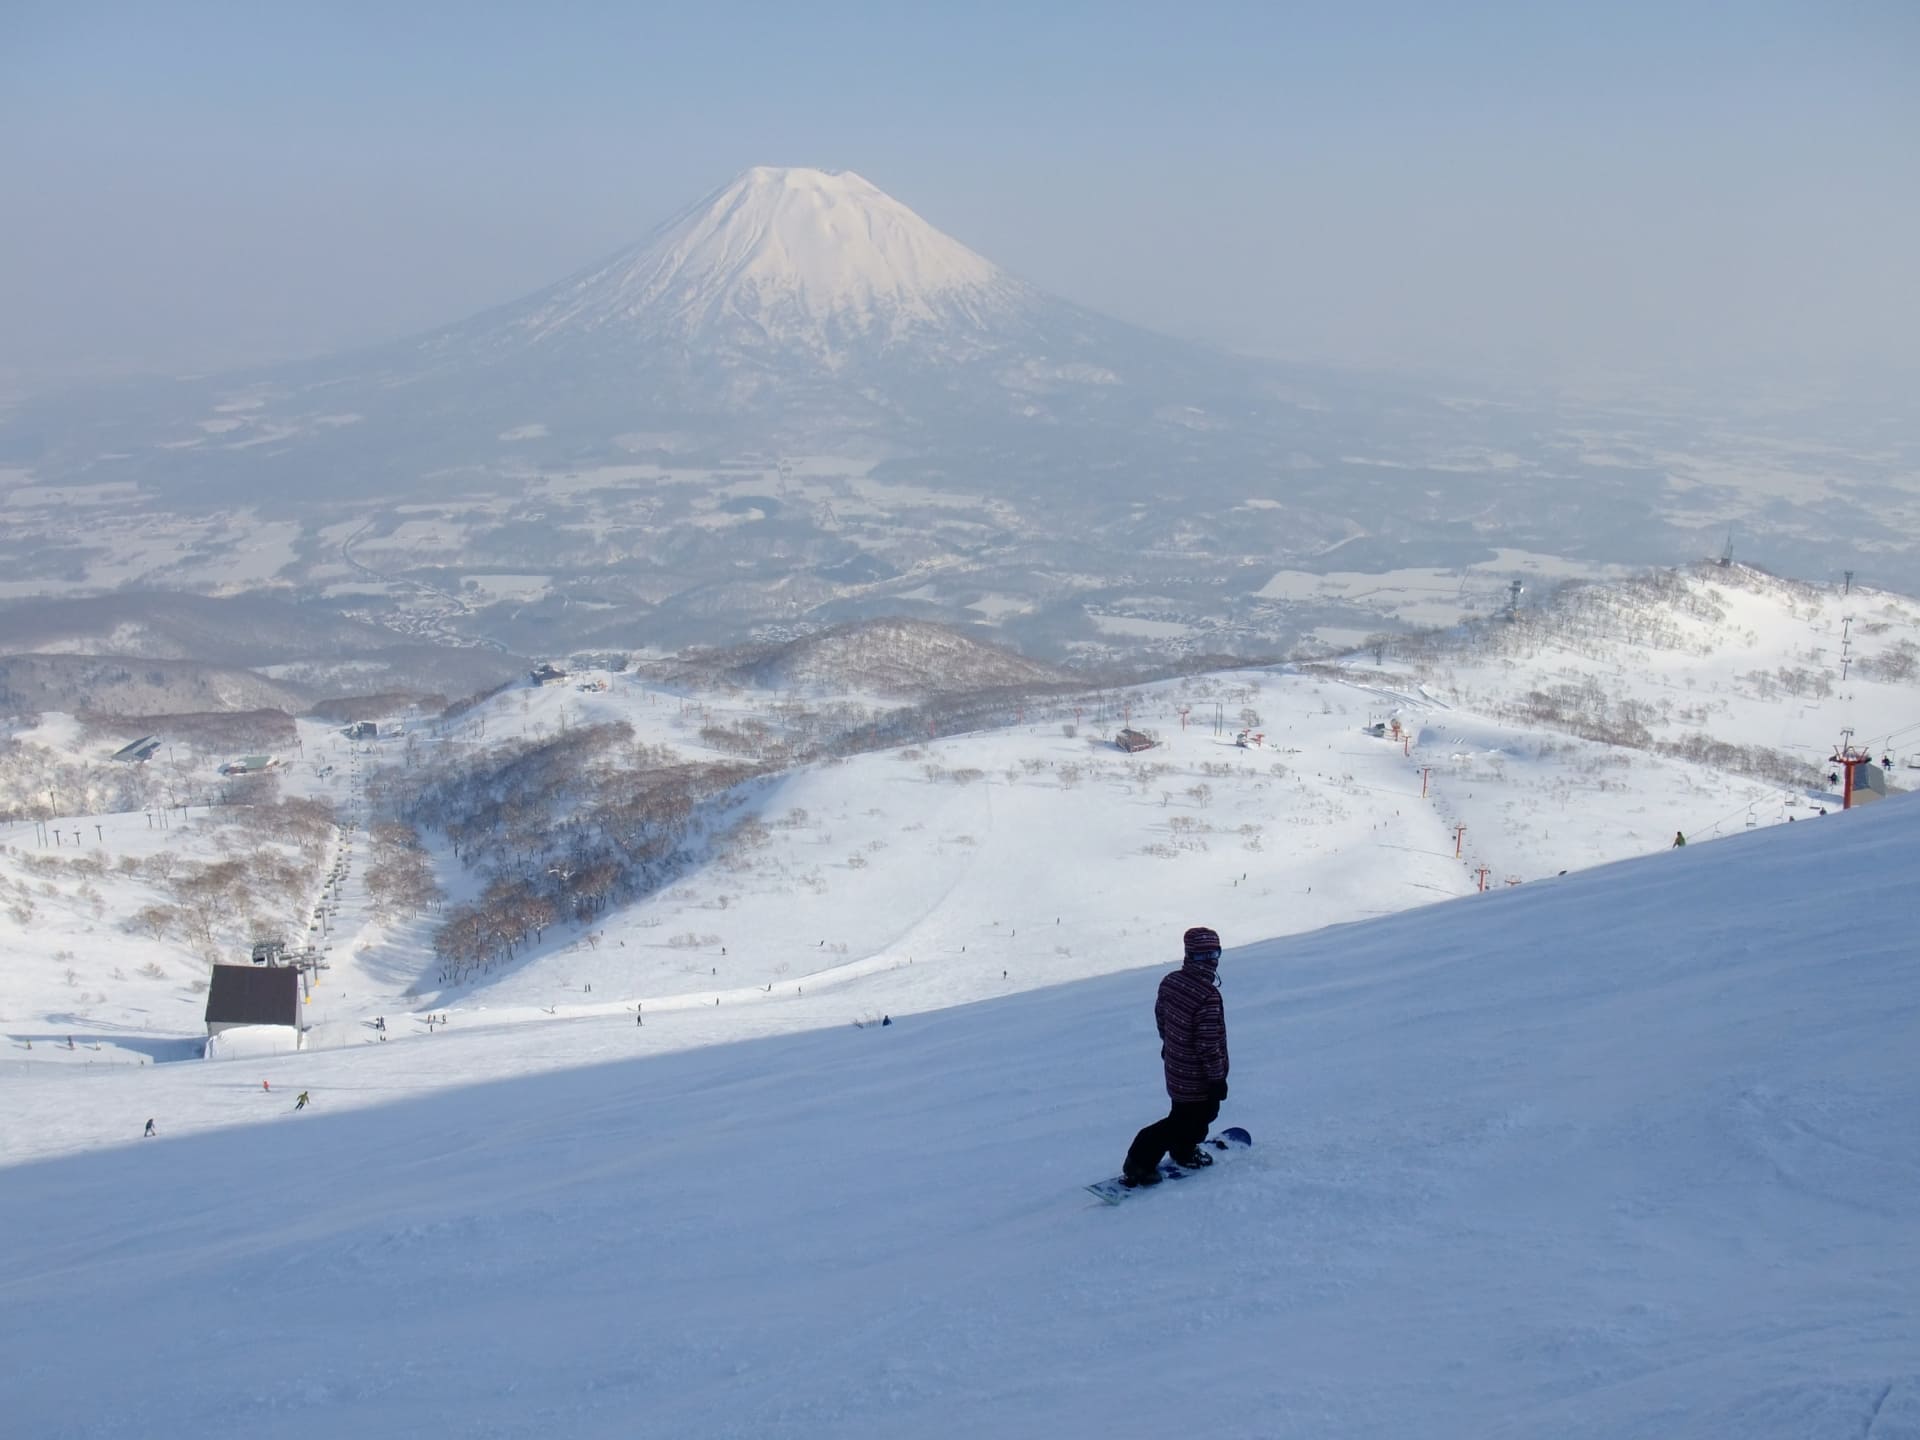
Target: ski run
[1630, 1150]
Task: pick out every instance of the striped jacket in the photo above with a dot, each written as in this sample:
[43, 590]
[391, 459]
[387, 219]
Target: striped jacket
[1193, 1029]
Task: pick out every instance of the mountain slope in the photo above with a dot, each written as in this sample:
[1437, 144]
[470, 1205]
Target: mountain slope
[137, 685]
[804, 256]
[908, 658]
[1629, 1153]
[794, 308]
[1021, 852]
[1711, 650]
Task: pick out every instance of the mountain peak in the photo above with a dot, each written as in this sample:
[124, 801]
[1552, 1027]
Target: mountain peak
[799, 177]
[789, 254]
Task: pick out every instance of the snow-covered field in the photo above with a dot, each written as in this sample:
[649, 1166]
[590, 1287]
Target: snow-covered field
[1625, 1153]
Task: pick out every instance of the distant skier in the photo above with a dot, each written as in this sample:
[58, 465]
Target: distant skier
[149, 1129]
[1193, 1050]
[300, 1102]
[1678, 840]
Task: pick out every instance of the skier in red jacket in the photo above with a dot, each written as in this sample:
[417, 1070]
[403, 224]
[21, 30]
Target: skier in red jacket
[1193, 1048]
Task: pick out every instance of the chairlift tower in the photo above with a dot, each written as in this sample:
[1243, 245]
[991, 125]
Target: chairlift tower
[1849, 758]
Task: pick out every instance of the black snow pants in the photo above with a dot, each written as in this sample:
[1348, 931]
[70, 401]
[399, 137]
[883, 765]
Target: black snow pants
[1180, 1133]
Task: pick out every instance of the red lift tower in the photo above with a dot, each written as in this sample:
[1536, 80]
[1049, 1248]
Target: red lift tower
[1850, 758]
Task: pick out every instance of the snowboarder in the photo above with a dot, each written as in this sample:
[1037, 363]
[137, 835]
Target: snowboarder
[300, 1101]
[1678, 840]
[149, 1129]
[1193, 1051]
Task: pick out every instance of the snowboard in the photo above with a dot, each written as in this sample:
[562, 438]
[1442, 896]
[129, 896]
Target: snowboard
[1114, 1190]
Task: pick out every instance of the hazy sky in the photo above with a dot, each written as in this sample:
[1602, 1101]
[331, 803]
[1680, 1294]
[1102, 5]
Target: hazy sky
[1524, 189]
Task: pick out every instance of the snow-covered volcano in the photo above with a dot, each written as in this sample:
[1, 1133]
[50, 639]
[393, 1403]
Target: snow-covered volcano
[791, 304]
[805, 257]
[792, 311]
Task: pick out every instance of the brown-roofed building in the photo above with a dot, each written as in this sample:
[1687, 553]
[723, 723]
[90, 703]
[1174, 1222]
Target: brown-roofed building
[1133, 741]
[250, 995]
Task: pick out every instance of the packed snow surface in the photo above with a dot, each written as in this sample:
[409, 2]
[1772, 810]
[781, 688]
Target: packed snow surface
[1630, 1152]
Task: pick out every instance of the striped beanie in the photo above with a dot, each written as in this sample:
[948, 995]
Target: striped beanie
[1202, 941]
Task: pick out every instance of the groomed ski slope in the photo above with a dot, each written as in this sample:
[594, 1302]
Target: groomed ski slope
[1634, 1152]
